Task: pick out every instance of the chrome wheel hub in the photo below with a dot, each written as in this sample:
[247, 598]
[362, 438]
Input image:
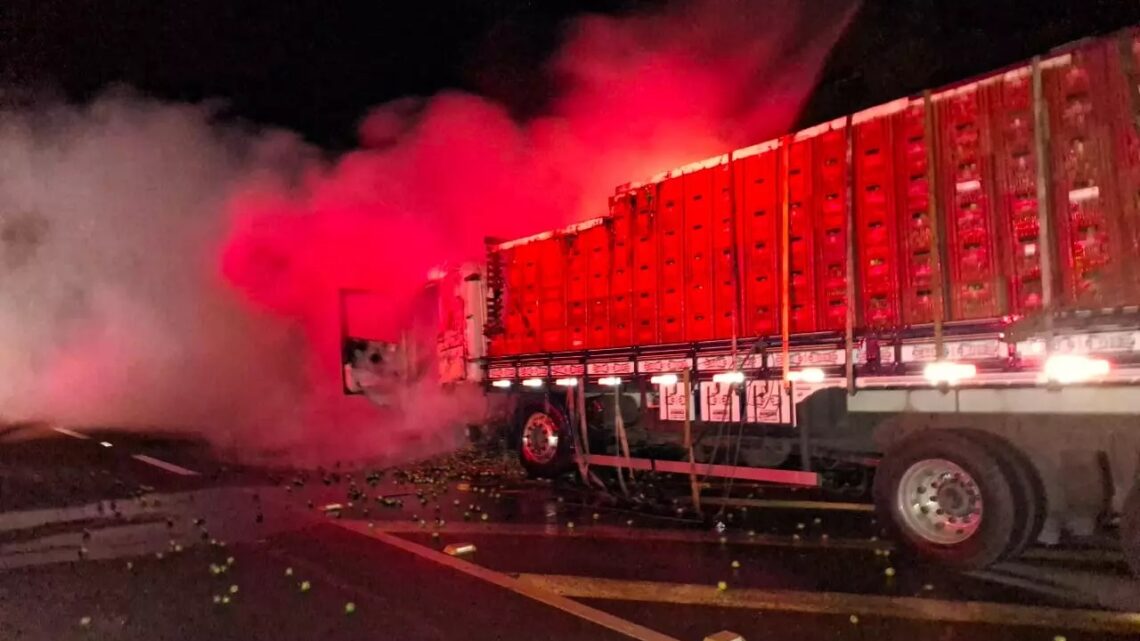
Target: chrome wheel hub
[540, 438]
[939, 501]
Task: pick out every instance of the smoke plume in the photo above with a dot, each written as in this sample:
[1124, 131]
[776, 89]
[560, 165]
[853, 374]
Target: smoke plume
[163, 270]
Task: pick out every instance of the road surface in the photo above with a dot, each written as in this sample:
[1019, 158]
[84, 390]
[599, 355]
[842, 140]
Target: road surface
[118, 536]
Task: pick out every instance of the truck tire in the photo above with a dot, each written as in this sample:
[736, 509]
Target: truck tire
[1130, 529]
[1028, 490]
[944, 496]
[546, 446]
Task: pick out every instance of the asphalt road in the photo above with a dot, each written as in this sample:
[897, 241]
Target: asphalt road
[114, 536]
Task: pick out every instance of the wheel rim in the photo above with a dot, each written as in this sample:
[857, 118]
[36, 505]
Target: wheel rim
[939, 501]
[540, 438]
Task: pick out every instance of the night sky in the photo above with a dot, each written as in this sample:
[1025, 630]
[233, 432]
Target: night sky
[316, 66]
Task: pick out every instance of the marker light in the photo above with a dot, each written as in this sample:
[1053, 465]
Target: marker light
[1071, 368]
[729, 377]
[612, 381]
[664, 379]
[807, 375]
[566, 382]
[949, 372]
[532, 382]
[501, 384]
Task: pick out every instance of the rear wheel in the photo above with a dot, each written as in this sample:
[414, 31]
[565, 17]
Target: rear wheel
[946, 498]
[545, 443]
[1028, 490]
[1130, 529]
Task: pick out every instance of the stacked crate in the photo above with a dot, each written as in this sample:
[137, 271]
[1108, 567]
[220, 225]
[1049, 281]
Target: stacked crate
[551, 257]
[725, 262]
[697, 255]
[1087, 216]
[643, 235]
[831, 227]
[597, 245]
[876, 221]
[576, 300]
[1015, 159]
[698, 221]
[671, 261]
[758, 219]
[801, 237]
[920, 294]
[964, 174]
[621, 280]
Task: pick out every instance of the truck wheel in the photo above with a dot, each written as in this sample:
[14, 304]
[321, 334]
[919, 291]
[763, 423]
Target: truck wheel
[1028, 490]
[545, 443]
[946, 498]
[1130, 529]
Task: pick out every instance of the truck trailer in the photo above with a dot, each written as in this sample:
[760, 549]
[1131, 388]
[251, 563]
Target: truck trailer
[939, 291]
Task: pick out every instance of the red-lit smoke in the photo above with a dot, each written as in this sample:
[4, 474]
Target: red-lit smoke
[247, 350]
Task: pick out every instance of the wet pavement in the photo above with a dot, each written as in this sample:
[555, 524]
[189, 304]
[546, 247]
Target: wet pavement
[118, 536]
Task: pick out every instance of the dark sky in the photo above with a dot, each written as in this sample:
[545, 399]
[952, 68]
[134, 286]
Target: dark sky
[316, 66]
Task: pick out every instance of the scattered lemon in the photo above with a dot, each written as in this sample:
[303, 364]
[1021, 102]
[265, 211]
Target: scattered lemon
[288, 571]
[889, 571]
[853, 619]
[349, 607]
[721, 586]
[736, 565]
[305, 586]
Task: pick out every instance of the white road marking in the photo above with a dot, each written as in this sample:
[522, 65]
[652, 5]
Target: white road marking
[169, 467]
[580, 610]
[71, 433]
[105, 443]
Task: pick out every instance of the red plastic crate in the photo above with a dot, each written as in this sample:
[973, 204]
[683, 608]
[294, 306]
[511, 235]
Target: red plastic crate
[576, 308]
[597, 243]
[965, 176]
[876, 223]
[698, 218]
[621, 279]
[1124, 76]
[801, 242]
[552, 293]
[671, 235]
[830, 205]
[725, 261]
[1015, 165]
[645, 267]
[1088, 211]
[918, 269]
[758, 218]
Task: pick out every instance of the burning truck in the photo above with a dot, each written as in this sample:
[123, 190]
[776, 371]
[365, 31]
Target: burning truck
[936, 291]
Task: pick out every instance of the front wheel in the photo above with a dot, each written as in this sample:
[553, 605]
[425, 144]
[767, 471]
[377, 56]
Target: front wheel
[1130, 529]
[545, 444]
[946, 499]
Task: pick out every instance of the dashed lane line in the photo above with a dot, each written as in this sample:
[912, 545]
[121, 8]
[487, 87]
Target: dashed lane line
[72, 433]
[159, 463]
[892, 607]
